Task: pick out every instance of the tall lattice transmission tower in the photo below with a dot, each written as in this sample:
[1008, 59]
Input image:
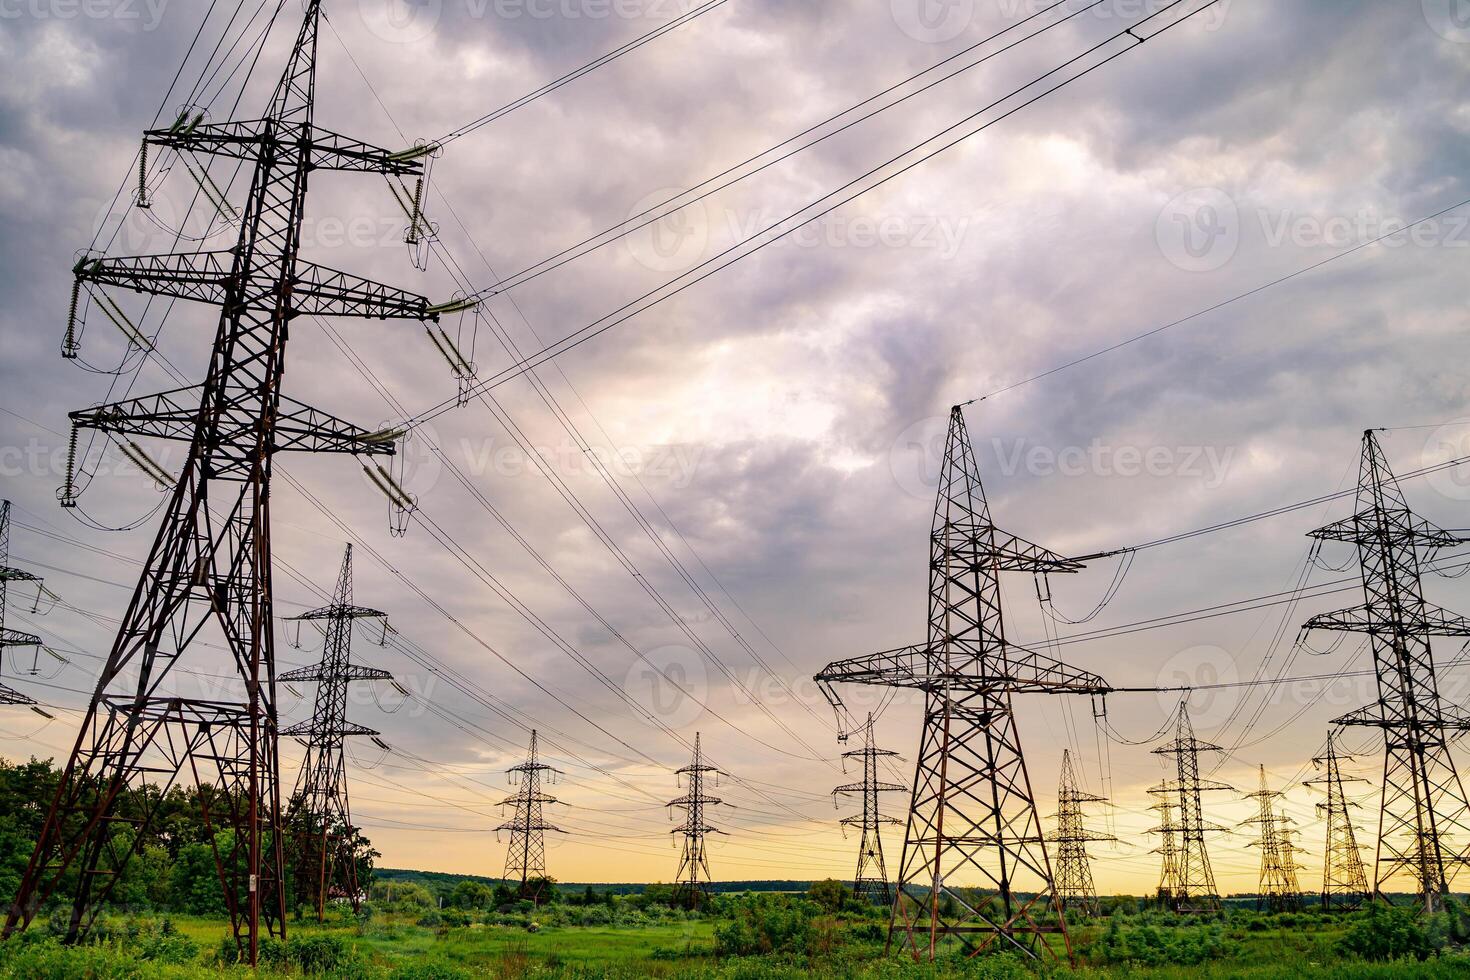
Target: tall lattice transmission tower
[973, 823]
[870, 882]
[525, 858]
[1075, 888]
[207, 577]
[1278, 887]
[1344, 879]
[1424, 822]
[327, 846]
[1168, 849]
[691, 881]
[10, 638]
[1191, 886]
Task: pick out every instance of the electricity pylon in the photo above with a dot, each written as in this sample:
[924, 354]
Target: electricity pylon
[1424, 821]
[1344, 880]
[1168, 849]
[870, 882]
[1192, 885]
[1278, 882]
[691, 882]
[211, 560]
[1075, 889]
[9, 637]
[525, 858]
[972, 822]
[327, 840]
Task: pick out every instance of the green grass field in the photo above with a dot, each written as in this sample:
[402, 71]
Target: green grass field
[396, 947]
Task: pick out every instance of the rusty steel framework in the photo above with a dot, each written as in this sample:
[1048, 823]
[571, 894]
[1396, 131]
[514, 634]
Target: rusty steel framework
[973, 824]
[691, 881]
[1278, 888]
[525, 858]
[10, 638]
[870, 881]
[1344, 879]
[1424, 820]
[209, 568]
[327, 847]
[1186, 881]
[1075, 888]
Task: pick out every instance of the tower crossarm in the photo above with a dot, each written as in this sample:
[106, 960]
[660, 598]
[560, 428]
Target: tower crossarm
[1011, 553]
[16, 638]
[1382, 715]
[922, 666]
[1424, 620]
[1362, 528]
[338, 611]
[200, 276]
[346, 672]
[687, 799]
[857, 820]
[175, 415]
[243, 139]
[876, 787]
[343, 729]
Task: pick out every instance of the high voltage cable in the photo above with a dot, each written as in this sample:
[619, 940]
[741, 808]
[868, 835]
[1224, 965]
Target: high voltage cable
[718, 262]
[577, 73]
[656, 212]
[1222, 304]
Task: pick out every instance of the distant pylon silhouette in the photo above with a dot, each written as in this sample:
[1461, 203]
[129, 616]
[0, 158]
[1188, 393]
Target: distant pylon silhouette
[1344, 879]
[973, 824]
[1424, 823]
[525, 859]
[871, 880]
[1278, 887]
[9, 637]
[1168, 849]
[1075, 888]
[1192, 888]
[691, 882]
[327, 840]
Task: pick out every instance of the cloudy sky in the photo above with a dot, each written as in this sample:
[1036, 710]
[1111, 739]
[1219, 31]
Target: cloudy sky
[735, 484]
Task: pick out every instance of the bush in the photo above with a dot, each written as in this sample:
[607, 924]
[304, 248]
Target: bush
[166, 948]
[765, 924]
[1383, 933]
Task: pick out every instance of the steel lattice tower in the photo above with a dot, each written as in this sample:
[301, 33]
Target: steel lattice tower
[1192, 885]
[1075, 889]
[209, 568]
[691, 882]
[1168, 849]
[870, 882]
[1278, 886]
[1424, 822]
[1344, 879]
[972, 821]
[525, 859]
[9, 637]
[327, 848]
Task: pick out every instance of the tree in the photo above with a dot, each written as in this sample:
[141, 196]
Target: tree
[830, 894]
[470, 894]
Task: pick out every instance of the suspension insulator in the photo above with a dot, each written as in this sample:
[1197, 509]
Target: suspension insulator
[69, 346]
[68, 492]
[413, 215]
[143, 177]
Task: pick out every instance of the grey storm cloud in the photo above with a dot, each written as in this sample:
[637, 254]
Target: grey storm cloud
[803, 383]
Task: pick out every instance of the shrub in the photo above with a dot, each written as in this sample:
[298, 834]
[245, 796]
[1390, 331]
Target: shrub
[1383, 933]
[767, 924]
